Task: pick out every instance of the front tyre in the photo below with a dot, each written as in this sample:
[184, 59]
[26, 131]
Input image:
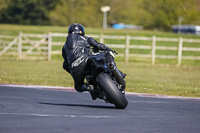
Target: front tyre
[111, 90]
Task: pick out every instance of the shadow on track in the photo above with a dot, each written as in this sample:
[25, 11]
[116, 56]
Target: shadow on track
[80, 105]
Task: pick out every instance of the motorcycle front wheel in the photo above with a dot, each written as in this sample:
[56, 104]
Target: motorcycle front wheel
[111, 90]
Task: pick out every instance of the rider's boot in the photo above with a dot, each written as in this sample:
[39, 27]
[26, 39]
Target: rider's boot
[90, 88]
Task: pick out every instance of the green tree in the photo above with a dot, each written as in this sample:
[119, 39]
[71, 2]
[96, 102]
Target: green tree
[162, 14]
[156, 14]
[125, 11]
[27, 12]
[86, 12]
[4, 4]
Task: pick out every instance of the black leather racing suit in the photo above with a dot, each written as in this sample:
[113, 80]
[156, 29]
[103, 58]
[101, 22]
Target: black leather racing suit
[75, 53]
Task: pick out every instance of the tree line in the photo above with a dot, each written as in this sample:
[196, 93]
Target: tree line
[151, 14]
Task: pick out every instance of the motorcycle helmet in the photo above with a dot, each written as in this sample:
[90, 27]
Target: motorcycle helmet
[76, 29]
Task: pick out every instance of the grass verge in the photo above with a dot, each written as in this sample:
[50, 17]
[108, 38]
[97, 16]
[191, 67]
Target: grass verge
[141, 78]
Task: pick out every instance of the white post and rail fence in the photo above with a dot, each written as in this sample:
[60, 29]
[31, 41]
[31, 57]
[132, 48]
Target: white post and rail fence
[40, 46]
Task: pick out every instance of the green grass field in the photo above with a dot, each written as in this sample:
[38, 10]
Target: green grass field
[141, 78]
[162, 78]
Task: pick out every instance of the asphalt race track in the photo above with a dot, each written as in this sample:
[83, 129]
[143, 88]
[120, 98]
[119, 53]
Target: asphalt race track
[36, 110]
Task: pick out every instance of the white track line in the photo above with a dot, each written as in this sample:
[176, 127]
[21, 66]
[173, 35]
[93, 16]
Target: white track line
[92, 116]
[127, 93]
[52, 115]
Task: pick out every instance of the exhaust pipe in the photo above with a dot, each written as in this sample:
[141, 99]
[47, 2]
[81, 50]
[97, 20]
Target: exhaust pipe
[116, 73]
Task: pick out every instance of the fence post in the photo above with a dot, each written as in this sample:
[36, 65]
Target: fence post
[49, 47]
[127, 48]
[101, 38]
[19, 49]
[180, 50]
[153, 50]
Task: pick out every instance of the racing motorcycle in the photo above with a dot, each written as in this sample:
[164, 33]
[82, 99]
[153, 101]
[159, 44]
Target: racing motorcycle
[106, 78]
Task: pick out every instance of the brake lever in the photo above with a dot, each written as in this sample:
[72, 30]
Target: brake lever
[114, 52]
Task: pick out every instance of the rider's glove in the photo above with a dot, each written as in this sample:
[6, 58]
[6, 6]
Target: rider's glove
[103, 47]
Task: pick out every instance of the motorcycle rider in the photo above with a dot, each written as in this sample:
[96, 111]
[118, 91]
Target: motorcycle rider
[75, 53]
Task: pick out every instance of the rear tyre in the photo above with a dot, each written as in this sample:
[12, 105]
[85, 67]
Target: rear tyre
[111, 90]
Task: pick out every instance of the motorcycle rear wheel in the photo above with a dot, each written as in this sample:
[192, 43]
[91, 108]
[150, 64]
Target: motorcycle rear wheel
[111, 90]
